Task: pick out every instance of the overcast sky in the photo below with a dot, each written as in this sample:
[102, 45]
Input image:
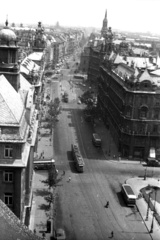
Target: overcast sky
[134, 15]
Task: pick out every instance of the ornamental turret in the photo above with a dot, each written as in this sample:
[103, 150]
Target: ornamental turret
[9, 65]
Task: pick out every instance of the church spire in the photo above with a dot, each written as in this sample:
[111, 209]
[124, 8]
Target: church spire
[106, 14]
[105, 25]
[6, 22]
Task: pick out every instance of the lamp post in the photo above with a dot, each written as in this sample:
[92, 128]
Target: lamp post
[151, 230]
[145, 173]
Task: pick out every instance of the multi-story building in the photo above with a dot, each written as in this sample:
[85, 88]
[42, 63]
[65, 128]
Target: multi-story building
[129, 100]
[84, 60]
[18, 129]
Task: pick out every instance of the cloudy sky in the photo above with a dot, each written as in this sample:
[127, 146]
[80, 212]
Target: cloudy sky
[134, 15]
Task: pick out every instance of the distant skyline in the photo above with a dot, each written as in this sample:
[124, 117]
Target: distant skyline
[132, 15]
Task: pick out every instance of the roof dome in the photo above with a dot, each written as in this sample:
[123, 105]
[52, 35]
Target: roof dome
[7, 36]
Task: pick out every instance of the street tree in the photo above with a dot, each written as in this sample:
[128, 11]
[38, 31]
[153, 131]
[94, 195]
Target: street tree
[54, 110]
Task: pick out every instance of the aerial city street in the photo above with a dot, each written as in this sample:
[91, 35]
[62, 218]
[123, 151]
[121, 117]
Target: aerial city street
[79, 132]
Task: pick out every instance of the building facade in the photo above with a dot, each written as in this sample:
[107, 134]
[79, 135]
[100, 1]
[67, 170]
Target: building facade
[18, 129]
[130, 106]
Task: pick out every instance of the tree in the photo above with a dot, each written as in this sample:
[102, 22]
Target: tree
[54, 110]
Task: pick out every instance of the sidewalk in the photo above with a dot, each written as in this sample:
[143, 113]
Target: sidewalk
[137, 184]
[109, 147]
[39, 212]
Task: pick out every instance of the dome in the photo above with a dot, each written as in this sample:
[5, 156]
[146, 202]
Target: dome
[7, 36]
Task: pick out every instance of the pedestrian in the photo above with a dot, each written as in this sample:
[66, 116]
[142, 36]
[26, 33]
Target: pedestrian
[63, 172]
[43, 235]
[69, 179]
[34, 231]
[112, 234]
[107, 204]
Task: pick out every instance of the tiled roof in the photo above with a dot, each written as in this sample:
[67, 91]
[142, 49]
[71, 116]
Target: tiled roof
[12, 228]
[25, 86]
[28, 65]
[140, 62]
[145, 76]
[11, 104]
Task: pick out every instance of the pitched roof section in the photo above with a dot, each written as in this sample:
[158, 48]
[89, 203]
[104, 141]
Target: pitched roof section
[36, 56]
[12, 228]
[145, 76]
[11, 104]
[28, 65]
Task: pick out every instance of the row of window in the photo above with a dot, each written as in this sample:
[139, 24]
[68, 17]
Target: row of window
[8, 197]
[143, 113]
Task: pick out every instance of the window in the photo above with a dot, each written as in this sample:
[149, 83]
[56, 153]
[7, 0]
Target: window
[143, 112]
[128, 111]
[155, 128]
[156, 114]
[8, 199]
[8, 152]
[8, 176]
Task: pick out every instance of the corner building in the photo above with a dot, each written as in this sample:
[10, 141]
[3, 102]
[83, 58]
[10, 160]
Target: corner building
[129, 101]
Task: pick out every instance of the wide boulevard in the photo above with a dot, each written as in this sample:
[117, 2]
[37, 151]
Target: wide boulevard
[80, 203]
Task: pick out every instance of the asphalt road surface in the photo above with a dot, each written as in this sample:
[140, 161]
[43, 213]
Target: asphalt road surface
[80, 205]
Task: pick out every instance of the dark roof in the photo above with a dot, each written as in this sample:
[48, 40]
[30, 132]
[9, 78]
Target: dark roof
[11, 227]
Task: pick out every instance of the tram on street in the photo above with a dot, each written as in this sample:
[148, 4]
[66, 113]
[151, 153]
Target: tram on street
[78, 159]
[128, 195]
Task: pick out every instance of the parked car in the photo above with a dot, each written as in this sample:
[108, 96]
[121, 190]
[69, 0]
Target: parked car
[59, 234]
[153, 162]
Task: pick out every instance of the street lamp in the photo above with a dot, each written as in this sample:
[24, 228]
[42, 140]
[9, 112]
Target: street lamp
[145, 173]
[155, 188]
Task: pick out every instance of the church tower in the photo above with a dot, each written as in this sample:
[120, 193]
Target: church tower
[9, 66]
[40, 39]
[105, 25]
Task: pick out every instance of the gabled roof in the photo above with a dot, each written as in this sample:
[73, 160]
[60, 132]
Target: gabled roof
[145, 76]
[11, 104]
[118, 59]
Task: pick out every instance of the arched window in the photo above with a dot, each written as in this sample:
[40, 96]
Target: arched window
[143, 112]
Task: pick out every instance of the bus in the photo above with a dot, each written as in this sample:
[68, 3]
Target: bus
[44, 164]
[96, 140]
[128, 194]
[78, 159]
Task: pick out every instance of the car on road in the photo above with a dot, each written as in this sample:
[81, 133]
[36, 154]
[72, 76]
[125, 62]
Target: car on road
[55, 77]
[96, 140]
[59, 234]
[65, 97]
[151, 162]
